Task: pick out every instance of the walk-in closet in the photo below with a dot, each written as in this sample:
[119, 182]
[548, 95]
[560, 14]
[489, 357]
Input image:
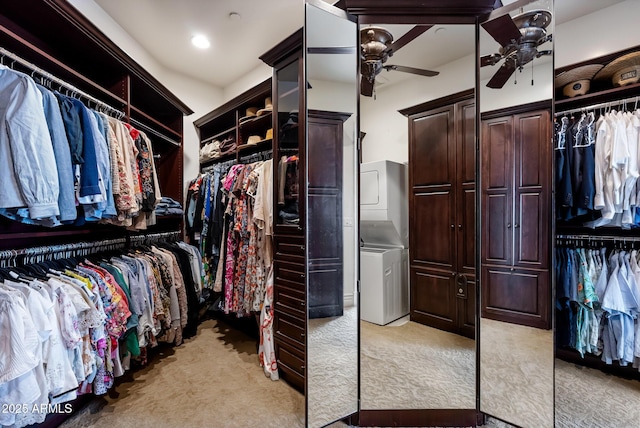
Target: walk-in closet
[319, 213]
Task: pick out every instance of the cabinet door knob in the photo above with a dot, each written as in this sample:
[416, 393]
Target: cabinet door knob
[516, 225]
[453, 226]
[459, 226]
[508, 225]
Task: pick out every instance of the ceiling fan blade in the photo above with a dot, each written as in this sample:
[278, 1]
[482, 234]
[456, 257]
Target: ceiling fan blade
[366, 86]
[490, 59]
[407, 38]
[412, 70]
[500, 78]
[502, 29]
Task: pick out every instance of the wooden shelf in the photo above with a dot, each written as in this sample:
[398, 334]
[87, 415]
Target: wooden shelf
[253, 148]
[607, 95]
[226, 132]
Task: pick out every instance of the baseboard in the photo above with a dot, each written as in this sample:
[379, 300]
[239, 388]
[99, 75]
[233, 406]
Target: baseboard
[349, 300]
[418, 418]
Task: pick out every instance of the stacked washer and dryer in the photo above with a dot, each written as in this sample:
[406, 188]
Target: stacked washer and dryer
[384, 241]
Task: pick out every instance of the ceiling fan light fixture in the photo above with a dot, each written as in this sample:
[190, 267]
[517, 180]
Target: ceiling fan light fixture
[200, 41]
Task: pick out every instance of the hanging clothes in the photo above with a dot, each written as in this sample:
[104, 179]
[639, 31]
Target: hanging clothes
[597, 303]
[597, 169]
[76, 324]
[64, 163]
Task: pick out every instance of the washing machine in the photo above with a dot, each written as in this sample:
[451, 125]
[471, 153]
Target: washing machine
[384, 286]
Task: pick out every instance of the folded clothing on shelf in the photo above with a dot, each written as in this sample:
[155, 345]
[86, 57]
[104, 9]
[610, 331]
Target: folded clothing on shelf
[168, 206]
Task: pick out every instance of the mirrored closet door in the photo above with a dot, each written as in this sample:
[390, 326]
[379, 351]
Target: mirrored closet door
[516, 92]
[417, 225]
[330, 64]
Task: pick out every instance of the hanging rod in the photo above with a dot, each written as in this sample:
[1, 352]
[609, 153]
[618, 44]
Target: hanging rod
[147, 128]
[154, 237]
[63, 250]
[611, 238]
[607, 104]
[58, 81]
[224, 164]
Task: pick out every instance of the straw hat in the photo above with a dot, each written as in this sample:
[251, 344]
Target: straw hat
[254, 139]
[267, 107]
[577, 81]
[249, 114]
[623, 70]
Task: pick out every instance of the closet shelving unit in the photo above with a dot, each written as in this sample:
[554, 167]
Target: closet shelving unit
[225, 122]
[601, 97]
[56, 38]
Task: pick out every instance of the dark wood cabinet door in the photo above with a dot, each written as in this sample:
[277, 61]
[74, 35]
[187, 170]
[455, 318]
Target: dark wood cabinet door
[466, 186]
[432, 301]
[442, 217]
[497, 185]
[532, 189]
[465, 284]
[324, 229]
[432, 205]
[516, 203]
[432, 175]
[519, 296]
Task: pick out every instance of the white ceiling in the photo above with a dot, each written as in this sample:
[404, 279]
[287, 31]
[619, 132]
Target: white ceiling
[164, 28]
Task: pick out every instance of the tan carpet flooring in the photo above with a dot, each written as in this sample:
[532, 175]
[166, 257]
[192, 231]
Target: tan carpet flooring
[516, 373]
[590, 398]
[213, 380]
[333, 367]
[412, 366]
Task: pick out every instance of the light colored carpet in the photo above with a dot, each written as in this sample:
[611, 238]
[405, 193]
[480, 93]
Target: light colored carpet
[516, 373]
[332, 367]
[412, 366]
[590, 398]
[213, 380]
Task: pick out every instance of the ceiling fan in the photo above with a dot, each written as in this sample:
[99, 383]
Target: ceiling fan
[377, 46]
[519, 38]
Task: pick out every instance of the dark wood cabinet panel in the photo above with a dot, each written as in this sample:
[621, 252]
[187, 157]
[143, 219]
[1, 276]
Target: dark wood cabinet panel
[530, 227]
[516, 204]
[467, 305]
[519, 296]
[533, 189]
[433, 301]
[497, 147]
[466, 150]
[432, 230]
[496, 239]
[442, 213]
[433, 148]
[467, 219]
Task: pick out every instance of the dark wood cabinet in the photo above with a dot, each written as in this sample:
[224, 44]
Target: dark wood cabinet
[516, 204]
[309, 248]
[55, 37]
[229, 121]
[442, 213]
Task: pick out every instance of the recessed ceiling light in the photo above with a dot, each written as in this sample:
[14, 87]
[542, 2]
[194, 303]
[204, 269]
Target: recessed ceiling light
[440, 31]
[200, 41]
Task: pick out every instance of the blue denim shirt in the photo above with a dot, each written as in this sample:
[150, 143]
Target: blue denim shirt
[67, 197]
[27, 161]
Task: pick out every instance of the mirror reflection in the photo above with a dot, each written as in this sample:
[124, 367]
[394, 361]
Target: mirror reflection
[331, 121]
[417, 207]
[516, 91]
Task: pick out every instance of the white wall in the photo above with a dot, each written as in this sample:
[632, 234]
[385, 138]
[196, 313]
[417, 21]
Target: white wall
[201, 97]
[609, 30]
